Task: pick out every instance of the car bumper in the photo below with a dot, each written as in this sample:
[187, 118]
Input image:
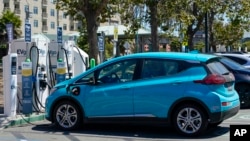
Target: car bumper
[220, 116]
[47, 110]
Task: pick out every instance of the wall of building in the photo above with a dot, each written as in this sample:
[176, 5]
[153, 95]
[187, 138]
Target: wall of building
[44, 17]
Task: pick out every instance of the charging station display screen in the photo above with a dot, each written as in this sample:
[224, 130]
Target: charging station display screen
[13, 65]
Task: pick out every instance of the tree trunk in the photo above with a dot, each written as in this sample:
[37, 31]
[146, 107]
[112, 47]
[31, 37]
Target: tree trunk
[92, 27]
[154, 25]
[211, 32]
[190, 34]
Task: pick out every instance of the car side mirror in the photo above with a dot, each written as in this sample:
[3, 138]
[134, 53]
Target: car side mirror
[68, 88]
[92, 80]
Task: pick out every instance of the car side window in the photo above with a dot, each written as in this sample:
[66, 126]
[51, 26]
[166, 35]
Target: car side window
[117, 72]
[156, 68]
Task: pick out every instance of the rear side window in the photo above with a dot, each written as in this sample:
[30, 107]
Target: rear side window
[159, 67]
[217, 68]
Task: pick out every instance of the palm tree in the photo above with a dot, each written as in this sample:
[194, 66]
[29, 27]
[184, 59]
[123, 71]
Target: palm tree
[9, 17]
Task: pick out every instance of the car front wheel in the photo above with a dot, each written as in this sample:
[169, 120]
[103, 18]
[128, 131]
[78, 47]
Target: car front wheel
[67, 116]
[190, 120]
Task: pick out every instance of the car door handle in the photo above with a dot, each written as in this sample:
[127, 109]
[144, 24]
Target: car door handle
[176, 83]
[125, 87]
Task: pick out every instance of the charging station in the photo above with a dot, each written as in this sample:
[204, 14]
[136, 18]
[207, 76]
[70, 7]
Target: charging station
[72, 57]
[37, 67]
[36, 51]
[80, 59]
[10, 84]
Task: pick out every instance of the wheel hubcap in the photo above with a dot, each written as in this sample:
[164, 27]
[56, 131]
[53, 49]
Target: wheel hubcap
[66, 116]
[189, 120]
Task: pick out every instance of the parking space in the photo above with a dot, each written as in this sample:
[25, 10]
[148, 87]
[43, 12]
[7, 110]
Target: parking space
[243, 117]
[223, 131]
[112, 132]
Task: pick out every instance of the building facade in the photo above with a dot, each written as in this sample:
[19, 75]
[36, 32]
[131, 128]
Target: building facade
[44, 18]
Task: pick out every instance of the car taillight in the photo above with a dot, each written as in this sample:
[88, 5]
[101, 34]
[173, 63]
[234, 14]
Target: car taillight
[212, 79]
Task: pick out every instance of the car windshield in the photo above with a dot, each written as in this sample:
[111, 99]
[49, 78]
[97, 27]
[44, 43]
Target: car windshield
[231, 64]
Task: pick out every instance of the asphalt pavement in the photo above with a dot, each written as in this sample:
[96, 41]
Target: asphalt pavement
[108, 132]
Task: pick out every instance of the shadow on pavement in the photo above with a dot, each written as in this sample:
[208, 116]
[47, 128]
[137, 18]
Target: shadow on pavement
[114, 130]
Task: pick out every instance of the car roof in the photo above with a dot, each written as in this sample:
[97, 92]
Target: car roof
[173, 55]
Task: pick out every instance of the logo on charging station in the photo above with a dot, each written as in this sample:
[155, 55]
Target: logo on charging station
[21, 52]
[41, 52]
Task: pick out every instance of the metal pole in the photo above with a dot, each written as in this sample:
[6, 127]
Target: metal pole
[114, 49]
[27, 12]
[137, 42]
[101, 56]
[115, 40]
[206, 34]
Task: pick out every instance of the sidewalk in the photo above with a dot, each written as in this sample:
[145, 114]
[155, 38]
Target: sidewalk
[20, 119]
[4, 121]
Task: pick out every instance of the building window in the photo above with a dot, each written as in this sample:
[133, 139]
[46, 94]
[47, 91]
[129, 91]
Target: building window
[52, 12]
[64, 26]
[17, 6]
[64, 15]
[78, 25]
[26, 8]
[52, 25]
[71, 28]
[52, 1]
[35, 10]
[6, 5]
[35, 23]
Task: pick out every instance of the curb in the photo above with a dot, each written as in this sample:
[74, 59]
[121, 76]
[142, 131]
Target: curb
[24, 119]
[4, 121]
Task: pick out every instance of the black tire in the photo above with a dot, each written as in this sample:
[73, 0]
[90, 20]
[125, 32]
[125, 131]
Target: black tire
[67, 116]
[190, 120]
[244, 94]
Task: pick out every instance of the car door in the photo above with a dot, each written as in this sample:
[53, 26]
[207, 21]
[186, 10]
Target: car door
[161, 84]
[112, 95]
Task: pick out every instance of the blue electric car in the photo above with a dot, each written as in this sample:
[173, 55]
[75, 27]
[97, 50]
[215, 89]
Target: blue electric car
[187, 91]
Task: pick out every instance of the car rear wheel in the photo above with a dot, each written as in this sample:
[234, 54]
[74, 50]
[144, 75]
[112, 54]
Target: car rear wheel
[190, 120]
[67, 116]
[244, 94]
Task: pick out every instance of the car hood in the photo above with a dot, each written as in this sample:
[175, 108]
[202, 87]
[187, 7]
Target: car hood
[64, 83]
